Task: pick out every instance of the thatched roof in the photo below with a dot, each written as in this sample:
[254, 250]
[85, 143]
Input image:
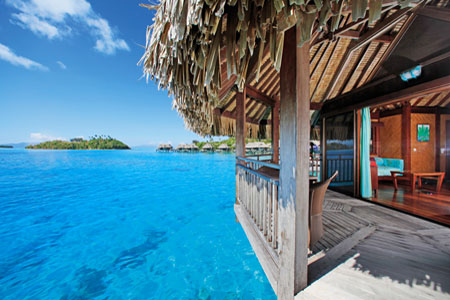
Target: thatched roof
[181, 146]
[191, 147]
[202, 52]
[257, 145]
[164, 146]
[207, 147]
[223, 147]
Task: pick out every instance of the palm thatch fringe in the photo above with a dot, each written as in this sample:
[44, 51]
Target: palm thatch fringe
[183, 47]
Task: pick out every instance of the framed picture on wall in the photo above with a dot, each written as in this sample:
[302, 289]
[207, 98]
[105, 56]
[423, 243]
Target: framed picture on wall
[423, 132]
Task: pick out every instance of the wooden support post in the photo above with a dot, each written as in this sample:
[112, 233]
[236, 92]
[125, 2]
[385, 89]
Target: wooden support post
[276, 132]
[437, 138]
[294, 167]
[406, 136]
[240, 134]
[240, 123]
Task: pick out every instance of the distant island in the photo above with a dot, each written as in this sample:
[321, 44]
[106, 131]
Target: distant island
[93, 143]
[6, 146]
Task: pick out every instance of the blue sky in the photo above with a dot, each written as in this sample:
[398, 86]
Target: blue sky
[68, 69]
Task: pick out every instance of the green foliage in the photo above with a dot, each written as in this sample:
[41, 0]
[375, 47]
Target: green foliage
[231, 142]
[95, 142]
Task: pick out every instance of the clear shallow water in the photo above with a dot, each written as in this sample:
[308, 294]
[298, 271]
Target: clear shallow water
[122, 225]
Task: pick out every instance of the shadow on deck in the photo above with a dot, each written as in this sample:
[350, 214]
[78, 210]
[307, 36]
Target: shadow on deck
[372, 252]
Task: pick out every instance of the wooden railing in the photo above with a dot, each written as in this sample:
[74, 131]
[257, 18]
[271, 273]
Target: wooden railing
[257, 193]
[342, 163]
[260, 157]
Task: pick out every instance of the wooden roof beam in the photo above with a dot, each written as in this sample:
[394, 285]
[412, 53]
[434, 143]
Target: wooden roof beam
[367, 66]
[366, 38]
[432, 99]
[353, 70]
[258, 113]
[270, 87]
[325, 70]
[315, 106]
[260, 118]
[258, 96]
[231, 115]
[319, 60]
[252, 108]
[345, 28]
[444, 99]
[395, 42]
[355, 35]
[348, 103]
[417, 102]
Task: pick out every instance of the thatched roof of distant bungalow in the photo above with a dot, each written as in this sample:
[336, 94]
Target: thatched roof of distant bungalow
[164, 146]
[207, 147]
[203, 52]
[181, 146]
[192, 147]
[223, 147]
[257, 145]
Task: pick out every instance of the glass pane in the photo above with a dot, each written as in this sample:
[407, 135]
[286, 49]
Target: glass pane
[339, 139]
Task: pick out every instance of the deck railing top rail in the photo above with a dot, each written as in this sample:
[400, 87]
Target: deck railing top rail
[265, 164]
[258, 174]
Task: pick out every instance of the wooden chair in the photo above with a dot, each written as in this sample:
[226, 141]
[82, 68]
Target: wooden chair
[316, 197]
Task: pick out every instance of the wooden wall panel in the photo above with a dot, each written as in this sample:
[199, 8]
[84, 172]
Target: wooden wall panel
[423, 153]
[391, 137]
[444, 119]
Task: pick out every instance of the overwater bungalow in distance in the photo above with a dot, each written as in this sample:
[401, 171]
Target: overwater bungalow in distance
[375, 83]
[186, 148]
[181, 148]
[207, 148]
[223, 148]
[257, 147]
[164, 148]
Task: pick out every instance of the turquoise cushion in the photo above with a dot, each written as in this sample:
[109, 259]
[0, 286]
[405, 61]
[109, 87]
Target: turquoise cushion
[386, 171]
[386, 165]
[379, 161]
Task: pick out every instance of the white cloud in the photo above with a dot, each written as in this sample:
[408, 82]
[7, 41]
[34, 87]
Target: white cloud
[8, 55]
[36, 25]
[105, 37]
[51, 18]
[41, 137]
[61, 65]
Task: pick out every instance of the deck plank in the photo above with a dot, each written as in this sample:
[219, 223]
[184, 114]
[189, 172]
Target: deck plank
[398, 256]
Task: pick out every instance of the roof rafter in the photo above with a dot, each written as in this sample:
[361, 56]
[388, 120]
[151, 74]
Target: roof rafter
[349, 26]
[367, 37]
[259, 96]
[352, 71]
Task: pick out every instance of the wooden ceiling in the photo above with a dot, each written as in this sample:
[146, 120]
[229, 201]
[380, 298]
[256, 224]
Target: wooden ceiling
[440, 99]
[339, 63]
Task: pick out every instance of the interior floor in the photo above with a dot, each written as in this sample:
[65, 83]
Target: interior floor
[423, 202]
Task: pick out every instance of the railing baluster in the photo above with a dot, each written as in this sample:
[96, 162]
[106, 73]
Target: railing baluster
[258, 195]
[275, 217]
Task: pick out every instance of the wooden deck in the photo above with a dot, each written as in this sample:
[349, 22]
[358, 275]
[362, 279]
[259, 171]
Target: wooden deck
[372, 252]
[424, 202]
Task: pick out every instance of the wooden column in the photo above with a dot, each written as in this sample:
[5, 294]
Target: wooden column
[240, 123]
[276, 132]
[437, 137]
[240, 133]
[406, 136]
[294, 167]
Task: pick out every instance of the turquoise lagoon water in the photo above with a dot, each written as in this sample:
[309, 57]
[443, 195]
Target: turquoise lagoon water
[122, 225]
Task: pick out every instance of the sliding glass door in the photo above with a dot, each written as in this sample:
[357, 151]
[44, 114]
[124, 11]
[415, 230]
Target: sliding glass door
[339, 145]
